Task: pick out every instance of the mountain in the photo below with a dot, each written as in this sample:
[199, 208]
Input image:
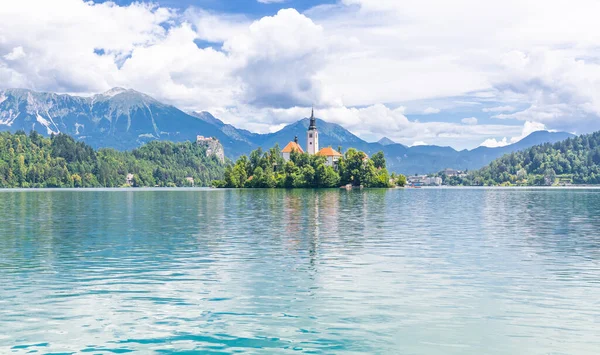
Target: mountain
[385, 141]
[119, 118]
[330, 134]
[574, 160]
[230, 131]
[124, 119]
[422, 159]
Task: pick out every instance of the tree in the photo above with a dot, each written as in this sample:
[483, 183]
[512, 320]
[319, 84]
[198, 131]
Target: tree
[549, 177]
[401, 180]
[378, 160]
[77, 181]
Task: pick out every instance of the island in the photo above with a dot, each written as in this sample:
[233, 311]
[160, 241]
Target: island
[293, 167]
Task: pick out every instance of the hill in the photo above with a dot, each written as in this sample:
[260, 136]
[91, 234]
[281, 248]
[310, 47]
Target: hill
[574, 160]
[34, 161]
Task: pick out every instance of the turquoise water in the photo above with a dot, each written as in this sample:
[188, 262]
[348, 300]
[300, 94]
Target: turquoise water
[416, 271]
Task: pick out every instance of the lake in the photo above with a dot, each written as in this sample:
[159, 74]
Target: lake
[200, 271]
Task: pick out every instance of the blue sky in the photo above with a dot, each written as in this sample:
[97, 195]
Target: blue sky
[462, 73]
[251, 8]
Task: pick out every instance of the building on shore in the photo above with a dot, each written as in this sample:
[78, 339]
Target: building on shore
[454, 172]
[189, 180]
[424, 180]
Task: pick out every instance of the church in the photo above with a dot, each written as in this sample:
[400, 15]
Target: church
[312, 145]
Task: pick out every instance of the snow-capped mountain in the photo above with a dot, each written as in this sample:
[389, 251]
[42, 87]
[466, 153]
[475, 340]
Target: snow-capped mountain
[118, 118]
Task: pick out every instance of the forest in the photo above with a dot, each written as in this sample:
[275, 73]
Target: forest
[572, 161]
[268, 169]
[60, 161]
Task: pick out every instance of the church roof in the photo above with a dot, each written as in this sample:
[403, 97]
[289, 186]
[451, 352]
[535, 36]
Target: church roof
[292, 146]
[329, 152]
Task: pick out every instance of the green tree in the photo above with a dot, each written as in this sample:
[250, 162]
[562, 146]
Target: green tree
[378, 160]
[401, 180]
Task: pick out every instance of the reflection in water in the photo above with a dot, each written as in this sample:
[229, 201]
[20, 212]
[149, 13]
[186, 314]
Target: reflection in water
[428, 271]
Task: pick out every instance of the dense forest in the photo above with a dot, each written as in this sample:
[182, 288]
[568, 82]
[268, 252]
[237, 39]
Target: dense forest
[60, 161]
[572, 161]
[268, 169]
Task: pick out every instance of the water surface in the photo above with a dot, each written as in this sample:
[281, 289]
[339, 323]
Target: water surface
[416, 271]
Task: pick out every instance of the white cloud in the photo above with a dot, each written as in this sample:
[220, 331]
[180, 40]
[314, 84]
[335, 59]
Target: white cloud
[177, 71]
[370, 123]
[279, 59]
[493, 143]
[16, 54]
[355, 60]
[528, 128]
[545, 113]
[418, 143]
[270, 1]
[431, 110]
[216, 27]
[469, 120]
[519, 51]
[59, 39]
[499, 109]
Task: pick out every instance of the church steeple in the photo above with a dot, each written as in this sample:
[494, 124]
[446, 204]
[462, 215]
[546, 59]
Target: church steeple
[313, 121]
[312, 135]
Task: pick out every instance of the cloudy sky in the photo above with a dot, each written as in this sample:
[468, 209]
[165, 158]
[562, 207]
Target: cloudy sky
[460, 73]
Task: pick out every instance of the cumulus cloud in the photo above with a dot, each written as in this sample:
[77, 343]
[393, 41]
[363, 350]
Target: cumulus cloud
[431, 110]
[61, 49]
[359, 61]
[279, 58]
[469, 120]
[494, 143]
[561, 86]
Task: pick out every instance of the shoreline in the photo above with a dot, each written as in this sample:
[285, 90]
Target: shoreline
[134, 189]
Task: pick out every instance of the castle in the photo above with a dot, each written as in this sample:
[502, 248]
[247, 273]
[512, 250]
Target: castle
[213, 147]
[312, 145]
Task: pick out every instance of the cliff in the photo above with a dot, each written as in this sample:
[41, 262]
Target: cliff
[213, 147]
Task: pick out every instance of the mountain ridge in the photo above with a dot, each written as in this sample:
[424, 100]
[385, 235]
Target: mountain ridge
[125, 119]
[385, 141]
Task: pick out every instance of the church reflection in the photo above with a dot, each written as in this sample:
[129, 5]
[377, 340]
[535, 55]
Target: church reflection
[309, 216]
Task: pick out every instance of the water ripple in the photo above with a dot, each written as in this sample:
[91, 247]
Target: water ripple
[428, 271]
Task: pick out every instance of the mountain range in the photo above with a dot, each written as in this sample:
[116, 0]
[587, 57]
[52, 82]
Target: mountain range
[125, 119]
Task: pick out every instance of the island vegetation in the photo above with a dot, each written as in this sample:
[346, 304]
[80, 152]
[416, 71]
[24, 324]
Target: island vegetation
[60, 161]
[268, 169]
[573, 161]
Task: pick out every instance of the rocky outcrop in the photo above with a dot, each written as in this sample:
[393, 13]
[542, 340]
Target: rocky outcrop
[213, 147]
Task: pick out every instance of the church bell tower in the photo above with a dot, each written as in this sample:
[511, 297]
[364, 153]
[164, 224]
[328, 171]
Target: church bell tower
[312, 135]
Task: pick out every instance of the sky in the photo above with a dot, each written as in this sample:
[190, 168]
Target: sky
[460, 73]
